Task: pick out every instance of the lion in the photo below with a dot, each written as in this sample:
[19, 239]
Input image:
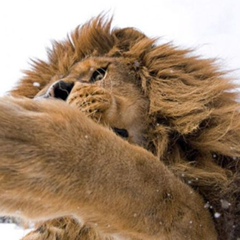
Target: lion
[118, 137]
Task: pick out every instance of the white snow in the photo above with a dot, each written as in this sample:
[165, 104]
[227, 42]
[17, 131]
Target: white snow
[36, 84]
[217, 215]
[9, 231]
[225, 204]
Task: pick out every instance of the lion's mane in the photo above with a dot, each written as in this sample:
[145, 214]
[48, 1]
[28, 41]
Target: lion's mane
[194, 122]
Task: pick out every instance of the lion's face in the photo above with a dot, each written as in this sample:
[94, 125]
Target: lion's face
[107, 91]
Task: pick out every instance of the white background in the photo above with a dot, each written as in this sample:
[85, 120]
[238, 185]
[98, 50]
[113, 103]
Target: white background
[27, 28]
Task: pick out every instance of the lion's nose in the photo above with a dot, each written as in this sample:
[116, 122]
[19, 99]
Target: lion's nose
[60, 90]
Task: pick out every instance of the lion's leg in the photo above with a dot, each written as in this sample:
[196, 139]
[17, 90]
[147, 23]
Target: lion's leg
[55, 162]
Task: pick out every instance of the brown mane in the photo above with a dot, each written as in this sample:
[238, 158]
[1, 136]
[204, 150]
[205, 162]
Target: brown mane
[194, 122]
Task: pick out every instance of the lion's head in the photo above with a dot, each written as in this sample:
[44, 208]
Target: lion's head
[179, 107]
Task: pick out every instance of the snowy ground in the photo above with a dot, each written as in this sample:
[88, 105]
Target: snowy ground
[9, 231]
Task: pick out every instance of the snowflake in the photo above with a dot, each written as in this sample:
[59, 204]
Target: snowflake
[36, 84]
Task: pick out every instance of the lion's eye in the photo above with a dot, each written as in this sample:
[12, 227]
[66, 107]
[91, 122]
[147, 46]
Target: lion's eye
[98, 75]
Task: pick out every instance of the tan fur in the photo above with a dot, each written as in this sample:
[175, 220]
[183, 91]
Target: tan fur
[184, 114]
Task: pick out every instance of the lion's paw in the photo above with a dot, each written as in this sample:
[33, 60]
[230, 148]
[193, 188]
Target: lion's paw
[64, 229]
[45, 234]
[92, 100]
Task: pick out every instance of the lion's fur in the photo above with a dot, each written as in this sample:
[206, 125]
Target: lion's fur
[194, 125]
